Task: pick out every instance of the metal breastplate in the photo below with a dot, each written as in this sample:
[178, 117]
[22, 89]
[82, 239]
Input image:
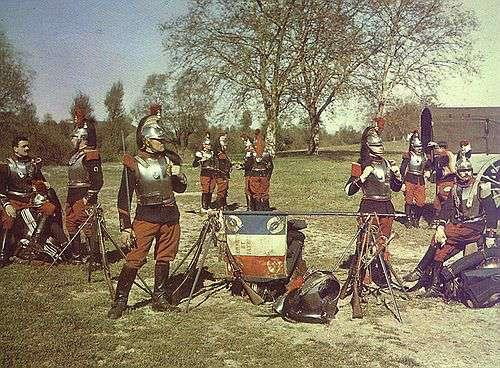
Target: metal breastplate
[377, 186]
[416, 164]
[21, 176]
[261, 163]
[464, 212]
[209, 163]
[153, 184]
[78, 176]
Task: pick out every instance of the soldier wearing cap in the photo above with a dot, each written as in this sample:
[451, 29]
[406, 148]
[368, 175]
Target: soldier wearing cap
[154, 174]
[85, 180]
[461, 220]
[207, 160]
[21, 181]
[414, 168]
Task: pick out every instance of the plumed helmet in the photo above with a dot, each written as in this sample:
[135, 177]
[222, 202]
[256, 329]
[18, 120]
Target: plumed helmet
[463, 164]
[260, 145]
[84, 129]
[415, 142]
[149, 128]
[374, 142]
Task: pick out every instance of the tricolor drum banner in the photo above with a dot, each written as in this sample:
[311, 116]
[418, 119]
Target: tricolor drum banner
[258, 243]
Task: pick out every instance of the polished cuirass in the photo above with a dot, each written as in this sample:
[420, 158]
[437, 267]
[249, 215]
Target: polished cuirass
[466, 209]
[153, 184]
[21, 175]
[78, 176]
[377, 184]
[416, 163]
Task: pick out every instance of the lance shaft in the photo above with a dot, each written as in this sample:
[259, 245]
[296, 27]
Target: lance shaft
[314, 213]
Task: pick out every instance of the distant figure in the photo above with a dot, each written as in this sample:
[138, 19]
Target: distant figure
[207, 161]
[259, 164]
[414, 168]
[223, 173]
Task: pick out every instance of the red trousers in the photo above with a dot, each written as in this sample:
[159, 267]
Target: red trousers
[207, 184]
[385, 228]
[457, 237]
[258, 187]
[166, 246]
[222, 187]
[47, 209]
[76, 215]
[414, 193]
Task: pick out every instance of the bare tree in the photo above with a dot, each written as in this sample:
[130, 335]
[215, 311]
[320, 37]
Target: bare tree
[331, 42]
[240, 44]
[424, 40]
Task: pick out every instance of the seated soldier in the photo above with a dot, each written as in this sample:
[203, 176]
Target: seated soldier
[23, 186]
[461, 220]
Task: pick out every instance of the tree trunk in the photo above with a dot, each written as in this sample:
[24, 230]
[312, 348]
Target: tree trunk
[272, 124]
[313, 145]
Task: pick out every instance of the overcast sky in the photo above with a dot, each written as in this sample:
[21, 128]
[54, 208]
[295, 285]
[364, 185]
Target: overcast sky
[87, 45]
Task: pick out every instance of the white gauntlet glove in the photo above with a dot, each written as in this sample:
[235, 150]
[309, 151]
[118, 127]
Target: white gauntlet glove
[440, 236]
[366, 172]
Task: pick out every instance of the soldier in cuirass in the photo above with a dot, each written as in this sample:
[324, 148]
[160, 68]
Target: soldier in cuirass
[85, 180]
[377, 178]
[154, 174]
[21, 180]
[461, 220]
[208, 163]
[414, 168]
[223, 171]
[259, 165]
[444, 163]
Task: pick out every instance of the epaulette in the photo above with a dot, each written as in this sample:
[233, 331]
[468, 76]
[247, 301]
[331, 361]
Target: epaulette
[174, 157]
[129, 162]
[92, 154]
[356, 169]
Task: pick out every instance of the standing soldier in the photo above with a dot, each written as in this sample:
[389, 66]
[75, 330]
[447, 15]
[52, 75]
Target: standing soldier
[259, 164]
[414, 170]
[154, 174]
[377, 178]
[224, 166]
[20, 177]
[207, 161]
[461, 220]
[85, 180]
[444, 168]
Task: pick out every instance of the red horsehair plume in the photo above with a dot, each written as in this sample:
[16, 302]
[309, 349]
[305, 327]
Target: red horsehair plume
[379, 122]
[79, 117]
[155, 109]
[259, 143]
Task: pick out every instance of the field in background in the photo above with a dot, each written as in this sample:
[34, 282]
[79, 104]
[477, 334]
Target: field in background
[58, 319]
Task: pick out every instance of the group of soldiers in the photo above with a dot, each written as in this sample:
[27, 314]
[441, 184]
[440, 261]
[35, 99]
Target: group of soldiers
[464, 208]
[216, 165]
[154, 174]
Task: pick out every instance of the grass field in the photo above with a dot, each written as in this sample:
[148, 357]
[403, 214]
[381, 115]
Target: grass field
[57, 319]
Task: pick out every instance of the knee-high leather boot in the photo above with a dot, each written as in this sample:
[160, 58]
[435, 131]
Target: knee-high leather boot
[160, 301]
[125, 282]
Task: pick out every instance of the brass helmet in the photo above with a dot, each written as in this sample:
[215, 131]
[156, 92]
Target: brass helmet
[374, 142]
[464, 169]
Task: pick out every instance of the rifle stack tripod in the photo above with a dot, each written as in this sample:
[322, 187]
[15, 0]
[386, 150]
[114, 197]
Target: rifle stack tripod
[95, 219]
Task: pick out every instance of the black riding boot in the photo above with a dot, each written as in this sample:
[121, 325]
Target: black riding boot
[416, 216]
[37, 233]
[125, 282]
[434, 290]
[408, 220]
[249, 202]
[422, 266]
[265, 205]
[206, 200]
[74, 250]
[160, 301]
